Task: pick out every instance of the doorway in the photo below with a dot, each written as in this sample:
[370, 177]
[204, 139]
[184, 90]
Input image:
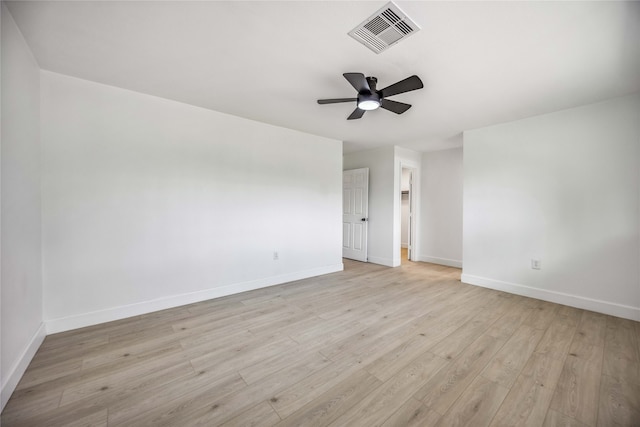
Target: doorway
[407, 215]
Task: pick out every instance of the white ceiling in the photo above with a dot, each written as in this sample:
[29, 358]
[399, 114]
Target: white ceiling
[481, 62]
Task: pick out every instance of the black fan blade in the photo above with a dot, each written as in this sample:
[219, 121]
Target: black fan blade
[335, 101]
[394, 106]
[406, 85]
[357, 113]
[358, 81]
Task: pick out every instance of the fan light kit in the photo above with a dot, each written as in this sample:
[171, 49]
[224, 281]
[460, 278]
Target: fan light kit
[369, 98]
[368, 102]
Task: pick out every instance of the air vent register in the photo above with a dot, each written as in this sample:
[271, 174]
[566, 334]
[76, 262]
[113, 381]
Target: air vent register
[384, 28]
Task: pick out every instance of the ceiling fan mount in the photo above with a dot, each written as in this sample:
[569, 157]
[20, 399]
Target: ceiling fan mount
[370, 98]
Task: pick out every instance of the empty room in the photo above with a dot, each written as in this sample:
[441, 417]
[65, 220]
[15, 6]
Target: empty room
[320, 213]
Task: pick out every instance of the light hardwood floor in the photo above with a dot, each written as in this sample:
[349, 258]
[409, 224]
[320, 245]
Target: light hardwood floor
[370, 346]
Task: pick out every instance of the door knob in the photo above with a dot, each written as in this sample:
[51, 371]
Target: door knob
[363, 219]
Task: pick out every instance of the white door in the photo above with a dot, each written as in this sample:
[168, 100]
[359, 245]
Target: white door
[355, 210]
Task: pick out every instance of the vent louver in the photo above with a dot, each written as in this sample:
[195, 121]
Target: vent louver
[384, 28]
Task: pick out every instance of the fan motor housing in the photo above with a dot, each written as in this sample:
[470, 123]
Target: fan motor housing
[369, 97]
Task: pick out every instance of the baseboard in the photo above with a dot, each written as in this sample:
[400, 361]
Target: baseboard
[382, 261]
[441, 261]
[600, 306]
[117, 313]
[404, 245]
[20, 366]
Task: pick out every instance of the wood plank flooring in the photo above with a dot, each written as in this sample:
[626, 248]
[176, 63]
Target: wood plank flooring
[369, 346]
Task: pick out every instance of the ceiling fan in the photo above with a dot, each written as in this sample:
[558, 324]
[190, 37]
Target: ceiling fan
[369, 98]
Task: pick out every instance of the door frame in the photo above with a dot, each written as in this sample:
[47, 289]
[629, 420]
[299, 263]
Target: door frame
[414, 202]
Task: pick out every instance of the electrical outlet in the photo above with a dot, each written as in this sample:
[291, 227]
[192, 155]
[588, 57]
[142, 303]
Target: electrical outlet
[275, 256]
[536, 264]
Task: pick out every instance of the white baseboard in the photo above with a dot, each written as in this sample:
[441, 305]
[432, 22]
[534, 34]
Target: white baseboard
[121, 312]
[441, 261]
[20, 366]
[382, 261]
[600, 306]
[404, 245]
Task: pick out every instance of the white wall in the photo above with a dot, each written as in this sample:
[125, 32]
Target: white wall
[563, 188]
[21, 307]
[150, 203]
[441, 217]
[380, 162]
